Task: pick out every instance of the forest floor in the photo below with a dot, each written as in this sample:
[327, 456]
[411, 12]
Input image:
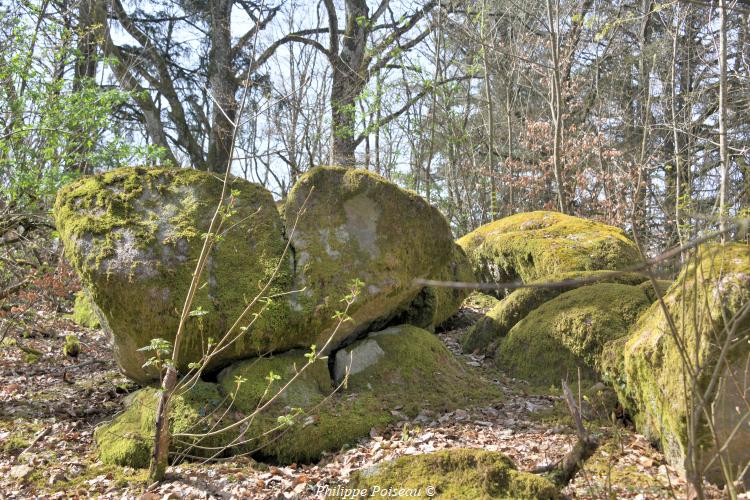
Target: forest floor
[50, 405]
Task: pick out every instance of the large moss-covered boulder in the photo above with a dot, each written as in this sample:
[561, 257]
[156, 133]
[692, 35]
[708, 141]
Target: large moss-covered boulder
[128, 439]
[348, 225]
[569, 332]
[134, 236]
[452, 474]
[708, 306]
[530, 246]
[500, 319]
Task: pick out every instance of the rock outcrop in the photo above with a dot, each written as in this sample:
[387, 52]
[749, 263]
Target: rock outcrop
[569, 332]
[499, 320]
[399, 373]
[707, 333]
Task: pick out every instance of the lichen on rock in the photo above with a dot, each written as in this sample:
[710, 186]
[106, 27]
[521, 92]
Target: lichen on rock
[569, 332]
[134, 236]
[454, 473]
[348, 225]
[708, 306]
[530, 246]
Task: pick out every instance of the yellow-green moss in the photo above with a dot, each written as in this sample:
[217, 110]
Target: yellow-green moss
[416, 371]
[83, 312]
[354, 224]
[480, 301]
[134, 236]
[449, 300]
[516, 306]
[569, 332]
[128, 439]
[72, 346]
[533, 245]
[648, 371]
[648, 288]
[454, 474]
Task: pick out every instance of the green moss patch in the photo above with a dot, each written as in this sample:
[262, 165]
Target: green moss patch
[457, 473]
[83, 311]
[569, 332]
[128, 439]
[533, 245]
[415, 372]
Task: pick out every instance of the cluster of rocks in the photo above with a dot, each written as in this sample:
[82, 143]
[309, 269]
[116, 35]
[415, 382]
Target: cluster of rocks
[273, 284]
[568, 302]
[679, 365]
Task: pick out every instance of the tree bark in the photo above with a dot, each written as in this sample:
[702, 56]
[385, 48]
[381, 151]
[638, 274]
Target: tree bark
[223, 87]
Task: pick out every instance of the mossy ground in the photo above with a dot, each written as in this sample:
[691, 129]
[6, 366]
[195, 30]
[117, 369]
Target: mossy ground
[504, 315]
[457, 473]
[134, 236]
[649, 373]
[569, 332]
[533, 245]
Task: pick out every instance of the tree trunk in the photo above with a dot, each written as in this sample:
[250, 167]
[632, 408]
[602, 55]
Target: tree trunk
[348, 83]
[223, 87]
[723, 154]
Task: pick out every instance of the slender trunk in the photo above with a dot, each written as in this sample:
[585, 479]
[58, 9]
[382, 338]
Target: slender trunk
[344, 93]
[490, 119]
[553, 18]
[723, 117]
[433, 112]
[509, 159]
[160, 458]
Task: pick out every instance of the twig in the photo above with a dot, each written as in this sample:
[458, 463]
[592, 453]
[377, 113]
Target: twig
[44, 432]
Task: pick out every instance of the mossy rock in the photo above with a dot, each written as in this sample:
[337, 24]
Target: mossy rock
[480, 301]
[649, 374]
[661, 285]
[498, 322]
[407, 367]
[134, 236]
[84, 311]
[355, 225]
[449, 300]
[128, 440]
[569, 332]
[533, 245]
[414, 372]
[453, 474]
